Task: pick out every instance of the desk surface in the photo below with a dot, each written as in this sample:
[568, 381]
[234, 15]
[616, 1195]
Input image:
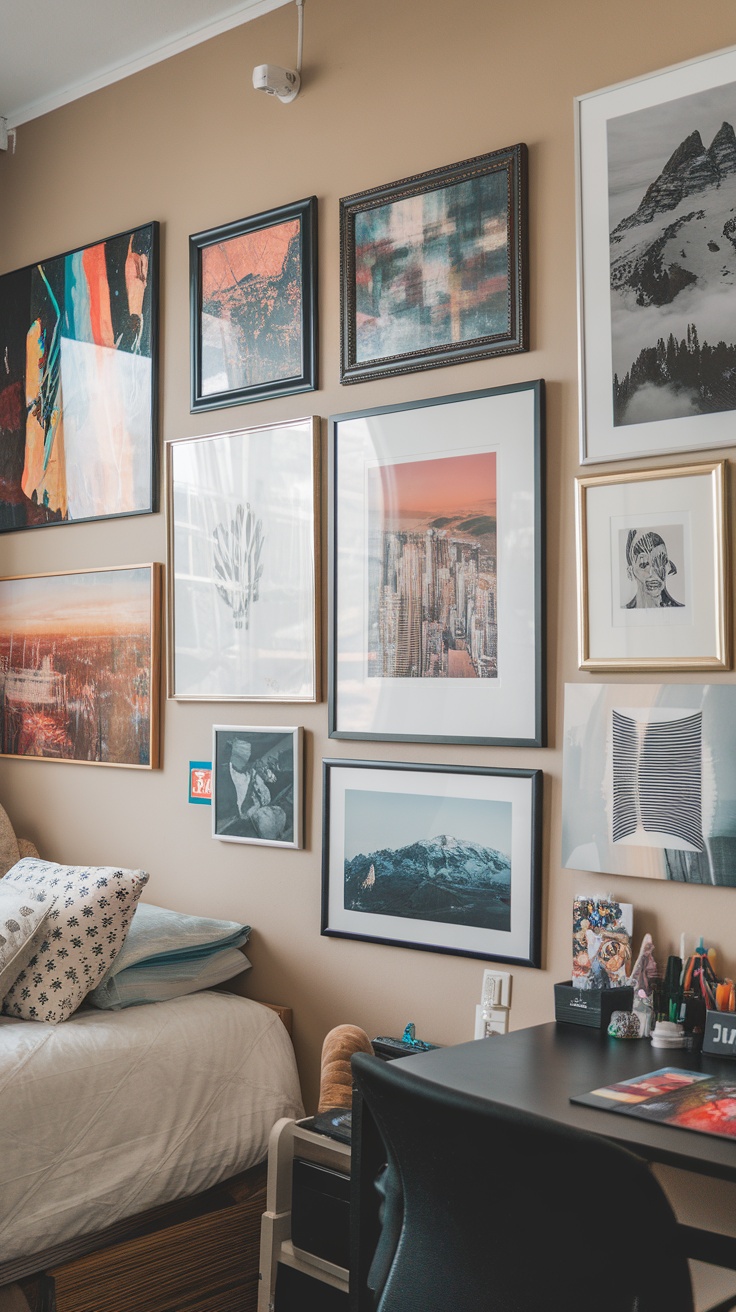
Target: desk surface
[540, 1068]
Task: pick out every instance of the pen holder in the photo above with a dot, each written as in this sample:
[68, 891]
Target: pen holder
[591, 1007]
[719, 1036]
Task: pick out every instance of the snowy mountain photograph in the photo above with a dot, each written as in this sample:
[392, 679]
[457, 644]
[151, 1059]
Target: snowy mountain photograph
[429, 858]
[672, 226]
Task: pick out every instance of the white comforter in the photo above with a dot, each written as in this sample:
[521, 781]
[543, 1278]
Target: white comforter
[111, 1113]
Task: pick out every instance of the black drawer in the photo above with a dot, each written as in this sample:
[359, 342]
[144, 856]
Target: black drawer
[298, 1292]
[320, 1211]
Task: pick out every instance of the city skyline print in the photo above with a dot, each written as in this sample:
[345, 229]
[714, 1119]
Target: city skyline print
[79, 666]
[432, 581]
[436, 567]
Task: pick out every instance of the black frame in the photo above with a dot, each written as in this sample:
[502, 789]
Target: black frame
[512, 160]
[533, 939]
[306, 381]
[539, 736]
[11, 297]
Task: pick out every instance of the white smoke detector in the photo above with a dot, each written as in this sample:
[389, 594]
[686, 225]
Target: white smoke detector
[277, 81]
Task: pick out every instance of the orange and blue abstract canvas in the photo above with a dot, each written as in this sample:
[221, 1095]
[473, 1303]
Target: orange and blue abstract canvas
[253, 305]
[77, 390]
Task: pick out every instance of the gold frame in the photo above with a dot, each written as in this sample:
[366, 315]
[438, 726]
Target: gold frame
[716, 470]
[154, 731]
[315, 654]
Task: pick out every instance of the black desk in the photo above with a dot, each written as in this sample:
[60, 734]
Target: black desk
[538, 1070]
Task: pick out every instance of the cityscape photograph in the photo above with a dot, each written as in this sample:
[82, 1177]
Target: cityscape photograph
[75, 667]
[432, 569]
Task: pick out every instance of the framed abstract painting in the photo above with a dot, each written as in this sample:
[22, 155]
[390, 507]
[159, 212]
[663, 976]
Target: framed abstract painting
[257, 785]
[78, 394]
[648, 781]
[436, 570]
[443, 858]
[80, 666]
[656, 173]
[652, 548]
[434, 268]
[253, 308]
[243, 552]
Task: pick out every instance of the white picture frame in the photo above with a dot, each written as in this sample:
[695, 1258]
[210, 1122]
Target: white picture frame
[243, 552]
[655, 258]
[450, 492]
[651, 552]
[257, 785]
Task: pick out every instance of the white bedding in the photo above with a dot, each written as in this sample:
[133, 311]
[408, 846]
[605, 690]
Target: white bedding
[111, 1113]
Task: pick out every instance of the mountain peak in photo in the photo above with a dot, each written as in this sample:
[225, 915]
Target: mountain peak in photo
[690, 169]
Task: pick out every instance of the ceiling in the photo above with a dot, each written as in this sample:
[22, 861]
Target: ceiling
[53, 51]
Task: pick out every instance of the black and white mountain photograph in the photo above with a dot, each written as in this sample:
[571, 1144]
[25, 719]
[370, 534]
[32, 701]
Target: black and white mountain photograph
[672, 223]
[429, 858]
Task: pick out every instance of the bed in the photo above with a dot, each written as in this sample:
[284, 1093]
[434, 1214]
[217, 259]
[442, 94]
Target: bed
[109, 1119]
[135, 1115]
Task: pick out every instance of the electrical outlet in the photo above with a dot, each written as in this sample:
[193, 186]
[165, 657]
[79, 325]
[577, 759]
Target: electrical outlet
[492, 1014]
[491, 994]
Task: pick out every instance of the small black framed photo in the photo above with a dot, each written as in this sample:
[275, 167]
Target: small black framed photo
[442, 858]
[253, 307]
[433, 269]
[257, 785]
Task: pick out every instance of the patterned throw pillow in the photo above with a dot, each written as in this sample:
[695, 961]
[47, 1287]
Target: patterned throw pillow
[21, 915]
[85, 930]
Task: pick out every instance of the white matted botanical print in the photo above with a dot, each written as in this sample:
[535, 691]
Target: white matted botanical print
[652, 569]
[649, 781]
[257, 785]
[243, 544]
[657, 261]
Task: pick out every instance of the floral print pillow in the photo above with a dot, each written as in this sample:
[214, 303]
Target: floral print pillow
[84, 931]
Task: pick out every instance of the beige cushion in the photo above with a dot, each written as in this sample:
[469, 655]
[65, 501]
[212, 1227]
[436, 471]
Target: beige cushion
[22, 916]
[81, 938]
[9, 850]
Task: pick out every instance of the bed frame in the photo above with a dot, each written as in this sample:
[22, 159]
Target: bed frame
[200, 1254]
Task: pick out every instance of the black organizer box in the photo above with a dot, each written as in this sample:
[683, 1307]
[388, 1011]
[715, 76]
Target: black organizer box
[591, 1007]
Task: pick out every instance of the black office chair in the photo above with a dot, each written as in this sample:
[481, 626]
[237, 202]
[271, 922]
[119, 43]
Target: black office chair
[488, 1209]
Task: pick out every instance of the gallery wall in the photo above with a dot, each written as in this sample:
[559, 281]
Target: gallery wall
[389, 90]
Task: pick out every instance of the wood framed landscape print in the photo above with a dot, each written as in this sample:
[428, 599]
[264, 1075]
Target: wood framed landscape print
[243, 539]
[253, 305]
[80, 666]
[257, 775]
[444, 858]
[657, 261]
[436, 567]
[434, 268]
[652, 569]
[78, 386]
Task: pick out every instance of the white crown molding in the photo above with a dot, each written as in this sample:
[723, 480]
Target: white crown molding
[244, 13]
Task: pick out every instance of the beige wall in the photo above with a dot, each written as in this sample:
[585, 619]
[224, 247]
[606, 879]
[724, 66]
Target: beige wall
[391, 88]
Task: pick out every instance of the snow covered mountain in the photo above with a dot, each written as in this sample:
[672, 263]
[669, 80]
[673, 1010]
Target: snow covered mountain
[676, 254]
[442, 878]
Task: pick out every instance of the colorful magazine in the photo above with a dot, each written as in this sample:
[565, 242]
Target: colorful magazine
[672, 1097]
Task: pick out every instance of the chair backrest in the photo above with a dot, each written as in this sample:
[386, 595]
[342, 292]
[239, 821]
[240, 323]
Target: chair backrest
[489, 1209]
